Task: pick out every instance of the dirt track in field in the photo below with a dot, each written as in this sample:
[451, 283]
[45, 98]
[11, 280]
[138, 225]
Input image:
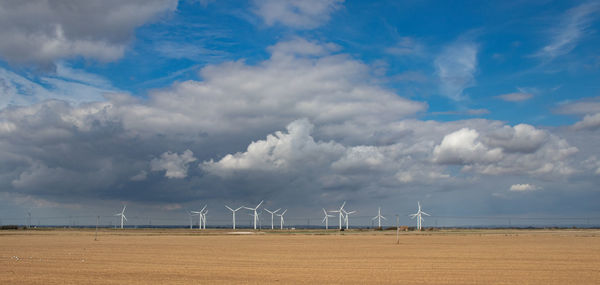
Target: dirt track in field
[178, 256]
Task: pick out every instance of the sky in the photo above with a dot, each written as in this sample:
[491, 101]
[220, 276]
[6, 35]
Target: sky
[473, 108]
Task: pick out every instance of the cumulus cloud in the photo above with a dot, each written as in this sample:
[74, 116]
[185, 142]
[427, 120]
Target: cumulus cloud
[524, 188]
[296, 14]
[456, 66]
[506, 150]
[573, 25]
[41, 32]
[463, 146]
[294, 126]
[515, 97]
[591, 122]
[520, 138]
[175, 165]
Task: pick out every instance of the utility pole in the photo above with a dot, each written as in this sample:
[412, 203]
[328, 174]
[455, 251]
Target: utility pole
[97, 222]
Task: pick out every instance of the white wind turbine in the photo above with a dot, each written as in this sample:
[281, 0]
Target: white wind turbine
[347, 214]
[122, 215]
[191, 215]
[419, 217]
[341, 211]
[233, 212]
[255, 214]
[201, 218]
[204, 217]
[272, 213]
[326, 219]
[281, 219]
[379, 217]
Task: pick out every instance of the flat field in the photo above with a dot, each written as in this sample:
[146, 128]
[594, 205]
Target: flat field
[312, 257]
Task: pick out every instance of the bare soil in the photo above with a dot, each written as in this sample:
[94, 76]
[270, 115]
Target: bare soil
[312, 257]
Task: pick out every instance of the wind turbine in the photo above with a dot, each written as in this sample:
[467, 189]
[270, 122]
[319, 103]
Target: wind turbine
[122, 215]
[190, 214]
[281, 220]
[419, 217]
[255, 214]
[379, 217]
[200, 216]
[326, 219]
[272, 213]
[347, 214]
[204, 217]
[233, 211]
[341, 211]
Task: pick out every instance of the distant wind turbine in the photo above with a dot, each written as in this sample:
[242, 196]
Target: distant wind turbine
[379, 217]
[347, 214]
[272, 213]
[281, 220]
[255, 213]
[122, 215]
[200, 216]
[419, 217]
[326, 219]
[233, 212]
[341, 214]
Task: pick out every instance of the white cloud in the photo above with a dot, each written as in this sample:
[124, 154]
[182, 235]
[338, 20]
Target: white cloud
[42, 32]
[456, 66]
[464, 147]
[515, 97]
[305, 14]
[520, 138]
[583, 106]
[524, 188]
[175, 165]
[590, 122]
[235, 97]
[572, 26]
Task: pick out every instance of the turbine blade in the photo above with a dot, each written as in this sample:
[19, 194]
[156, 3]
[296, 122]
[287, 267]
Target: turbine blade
[230, 209]
[124, 217]
[284, 212]
[383, 217]
[203, 208]
[239, 208]
[259, 204]
[343, 204]
[425, 214]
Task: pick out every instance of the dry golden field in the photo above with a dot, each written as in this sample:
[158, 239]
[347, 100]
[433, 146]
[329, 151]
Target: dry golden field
[188, 257]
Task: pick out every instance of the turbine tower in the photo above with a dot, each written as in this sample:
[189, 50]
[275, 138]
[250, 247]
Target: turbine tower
[347, 214]
[326, 219]
[122, 215]
[419, 217]
[233, 212]
[379, 217]
[281, 219]
[272, 213]
[191, 215]
[341, 211]
[255, 213]
[201, 218]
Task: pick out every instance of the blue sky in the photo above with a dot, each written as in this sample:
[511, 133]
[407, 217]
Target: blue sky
[401, 100]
